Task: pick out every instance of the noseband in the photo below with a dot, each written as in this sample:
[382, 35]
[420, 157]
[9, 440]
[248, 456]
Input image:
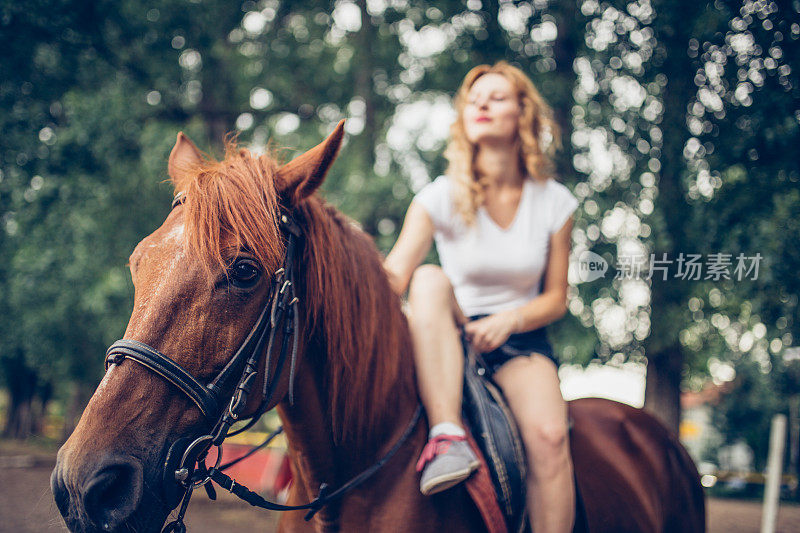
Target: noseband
[221, 412]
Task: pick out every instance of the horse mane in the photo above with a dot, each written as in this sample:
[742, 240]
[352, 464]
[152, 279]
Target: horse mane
[345, 294]
[231, 204]
[368, 343]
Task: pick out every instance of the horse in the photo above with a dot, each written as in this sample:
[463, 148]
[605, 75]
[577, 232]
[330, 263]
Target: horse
[349, 401]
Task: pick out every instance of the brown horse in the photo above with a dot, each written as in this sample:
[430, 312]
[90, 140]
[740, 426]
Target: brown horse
[201, 280]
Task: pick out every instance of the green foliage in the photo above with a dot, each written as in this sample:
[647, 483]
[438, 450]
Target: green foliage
[746, 411]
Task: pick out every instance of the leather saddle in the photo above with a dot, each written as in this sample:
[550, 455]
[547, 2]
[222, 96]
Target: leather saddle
[494, 430]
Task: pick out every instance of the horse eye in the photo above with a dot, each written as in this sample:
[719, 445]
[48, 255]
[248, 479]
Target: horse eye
[244, 273]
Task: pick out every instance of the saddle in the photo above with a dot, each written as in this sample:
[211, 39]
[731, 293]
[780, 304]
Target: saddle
[493, 430]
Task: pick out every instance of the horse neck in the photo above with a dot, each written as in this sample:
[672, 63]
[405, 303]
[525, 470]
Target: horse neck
[317, 459]
[354, 279]
[308, 427]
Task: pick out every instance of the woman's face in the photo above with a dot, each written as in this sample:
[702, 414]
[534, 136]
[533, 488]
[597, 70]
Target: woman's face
[492, 111]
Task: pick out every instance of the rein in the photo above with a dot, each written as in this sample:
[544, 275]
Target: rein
[191, 470]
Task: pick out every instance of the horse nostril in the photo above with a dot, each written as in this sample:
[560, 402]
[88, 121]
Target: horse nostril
[113, 493]
[60, 493]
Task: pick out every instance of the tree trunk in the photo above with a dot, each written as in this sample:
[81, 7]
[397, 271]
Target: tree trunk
[662, 396]
[79, 396]
[21, 382]
[665, 357]
[364, 86]
[495, 46]
[668, 297]
[565, 50]
[218, 102]
[44, 394]
[794, 441]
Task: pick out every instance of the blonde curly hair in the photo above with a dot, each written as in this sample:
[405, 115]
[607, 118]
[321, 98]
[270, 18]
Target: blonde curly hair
[538, 137]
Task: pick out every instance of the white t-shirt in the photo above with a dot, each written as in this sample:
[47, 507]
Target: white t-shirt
[494, 269]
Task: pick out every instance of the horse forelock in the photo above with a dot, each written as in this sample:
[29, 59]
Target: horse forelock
[346, 298]
[232, 204]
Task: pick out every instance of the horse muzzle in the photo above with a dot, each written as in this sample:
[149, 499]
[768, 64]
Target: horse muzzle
[103, 498]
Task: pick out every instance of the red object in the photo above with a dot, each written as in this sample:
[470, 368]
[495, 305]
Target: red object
[264, 471]
[481, 490]
[435, 446]
[284, 475]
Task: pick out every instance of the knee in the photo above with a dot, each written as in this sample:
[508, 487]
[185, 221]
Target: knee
[546, 441]
[429, 284]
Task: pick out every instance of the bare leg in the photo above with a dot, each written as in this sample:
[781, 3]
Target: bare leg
[531, 387]
[437, 346]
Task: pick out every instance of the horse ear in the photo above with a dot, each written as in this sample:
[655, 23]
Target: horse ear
[184, 155]
[305, 173]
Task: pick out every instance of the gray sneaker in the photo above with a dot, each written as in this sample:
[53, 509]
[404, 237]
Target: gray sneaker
[447, 460]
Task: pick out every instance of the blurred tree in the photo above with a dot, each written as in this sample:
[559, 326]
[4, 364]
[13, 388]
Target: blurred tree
[746, 411]
[648, 76]
[80, 105]
[38, 61]
[675, 230]
[745, 125]
[100, 89]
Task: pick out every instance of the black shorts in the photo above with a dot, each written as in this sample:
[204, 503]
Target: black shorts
[518, 345]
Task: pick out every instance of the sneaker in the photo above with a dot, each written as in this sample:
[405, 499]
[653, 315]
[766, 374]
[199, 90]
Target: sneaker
[446, 460]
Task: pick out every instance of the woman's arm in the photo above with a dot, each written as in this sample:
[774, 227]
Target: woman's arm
[492, 331]
[411, 247]
[551, 304]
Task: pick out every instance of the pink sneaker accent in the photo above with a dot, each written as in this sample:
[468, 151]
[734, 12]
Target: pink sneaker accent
[436, 446]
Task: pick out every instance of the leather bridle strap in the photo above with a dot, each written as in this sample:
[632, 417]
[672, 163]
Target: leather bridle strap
[325, 495]
[251, 344]
[206, 398]
[168, 369]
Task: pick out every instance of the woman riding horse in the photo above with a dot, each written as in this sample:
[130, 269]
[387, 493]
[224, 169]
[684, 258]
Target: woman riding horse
[203, 283]
[501, 224]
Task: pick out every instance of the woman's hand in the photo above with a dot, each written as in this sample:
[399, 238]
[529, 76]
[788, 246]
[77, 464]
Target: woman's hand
[489, 333]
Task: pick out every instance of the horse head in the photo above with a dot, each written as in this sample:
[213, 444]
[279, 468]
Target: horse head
[202, 280]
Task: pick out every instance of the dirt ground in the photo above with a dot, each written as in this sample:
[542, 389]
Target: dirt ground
[26, 505]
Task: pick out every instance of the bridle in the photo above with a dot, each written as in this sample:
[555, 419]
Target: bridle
[185, 468]
[281, 309]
